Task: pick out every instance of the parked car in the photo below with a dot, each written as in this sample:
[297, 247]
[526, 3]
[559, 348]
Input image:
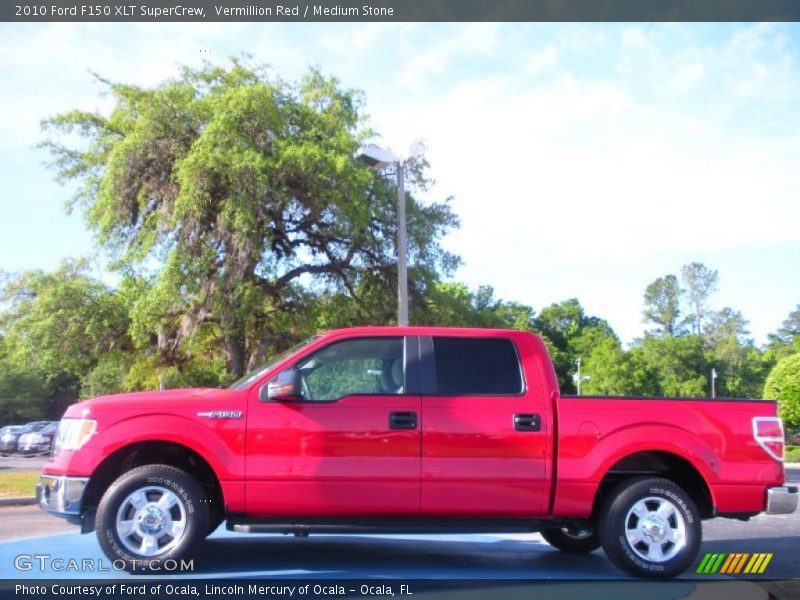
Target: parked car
[6, 437]
[9, 441]
[38, 442]
[414, 429]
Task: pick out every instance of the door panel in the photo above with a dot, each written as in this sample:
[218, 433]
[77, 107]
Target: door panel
[337, 456]
[474, 460]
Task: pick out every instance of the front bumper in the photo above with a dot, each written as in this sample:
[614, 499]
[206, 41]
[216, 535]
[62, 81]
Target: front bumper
[781, 500]
[61, 495]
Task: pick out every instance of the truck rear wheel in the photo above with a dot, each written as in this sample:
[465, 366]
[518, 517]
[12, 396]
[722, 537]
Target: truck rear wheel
[576, 540]
[149, 515]
[650, 527]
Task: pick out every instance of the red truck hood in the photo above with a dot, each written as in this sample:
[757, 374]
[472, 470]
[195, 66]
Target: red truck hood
[181, 398]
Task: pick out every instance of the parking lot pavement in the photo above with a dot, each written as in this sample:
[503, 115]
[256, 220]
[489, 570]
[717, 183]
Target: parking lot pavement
[495, 557]
[15, 462]
[525, 556]
[17, 522]
[502, 566]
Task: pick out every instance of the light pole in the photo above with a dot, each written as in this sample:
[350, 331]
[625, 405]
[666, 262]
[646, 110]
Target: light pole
[578, 378]
[402, 268]
[713, 382]
[379, 158]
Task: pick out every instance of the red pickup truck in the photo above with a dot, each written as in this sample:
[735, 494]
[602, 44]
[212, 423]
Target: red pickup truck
[414, 429]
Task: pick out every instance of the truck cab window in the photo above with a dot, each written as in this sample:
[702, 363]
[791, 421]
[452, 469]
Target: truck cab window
[476, 366]
[356, 366]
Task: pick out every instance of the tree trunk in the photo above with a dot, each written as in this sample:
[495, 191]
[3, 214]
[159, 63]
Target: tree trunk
[234, 351]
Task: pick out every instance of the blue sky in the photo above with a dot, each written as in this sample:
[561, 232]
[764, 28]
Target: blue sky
[585, 160]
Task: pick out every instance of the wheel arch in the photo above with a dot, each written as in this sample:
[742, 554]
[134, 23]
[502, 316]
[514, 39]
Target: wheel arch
[658, 463]
[150, 452]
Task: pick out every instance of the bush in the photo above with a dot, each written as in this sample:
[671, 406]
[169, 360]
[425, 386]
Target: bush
[792, 454]
[783, 385]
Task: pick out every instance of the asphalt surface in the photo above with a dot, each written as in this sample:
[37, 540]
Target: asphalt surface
[474, 557]
[15, 462]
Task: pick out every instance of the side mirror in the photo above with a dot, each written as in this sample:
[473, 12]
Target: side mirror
[284, 388]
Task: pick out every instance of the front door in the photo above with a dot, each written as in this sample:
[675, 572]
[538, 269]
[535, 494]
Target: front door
[351, 446]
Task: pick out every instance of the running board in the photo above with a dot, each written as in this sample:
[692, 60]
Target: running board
[386, 525]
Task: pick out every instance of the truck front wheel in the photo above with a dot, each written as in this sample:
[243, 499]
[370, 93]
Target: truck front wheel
[149, 515]
[650, 527]
[575, 540]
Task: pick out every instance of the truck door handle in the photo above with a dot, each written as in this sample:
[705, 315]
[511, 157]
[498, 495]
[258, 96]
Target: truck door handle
[527, 422]
[402, 420]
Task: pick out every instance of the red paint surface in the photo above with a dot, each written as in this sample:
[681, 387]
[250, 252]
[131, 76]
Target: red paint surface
[465, 458]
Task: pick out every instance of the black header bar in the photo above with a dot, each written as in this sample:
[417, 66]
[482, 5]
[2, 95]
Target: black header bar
[199, 11]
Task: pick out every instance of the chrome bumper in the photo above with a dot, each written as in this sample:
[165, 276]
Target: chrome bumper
[60, 494]
[781, 500]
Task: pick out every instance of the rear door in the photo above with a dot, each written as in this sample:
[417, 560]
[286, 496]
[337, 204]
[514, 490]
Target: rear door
[351, 446]
[484, 435]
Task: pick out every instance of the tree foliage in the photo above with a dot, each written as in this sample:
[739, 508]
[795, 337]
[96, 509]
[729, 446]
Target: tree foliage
[783, 385]
[569, 334]
[699, 283]
[240, 185]
[662, 305]
[786, 339]
[56, 328]
[240, 221]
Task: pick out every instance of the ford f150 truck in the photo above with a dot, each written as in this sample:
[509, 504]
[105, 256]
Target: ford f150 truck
[414, 429]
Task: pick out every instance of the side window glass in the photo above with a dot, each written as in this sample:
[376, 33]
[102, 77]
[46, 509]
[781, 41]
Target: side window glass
[476, 366]
[357, 366]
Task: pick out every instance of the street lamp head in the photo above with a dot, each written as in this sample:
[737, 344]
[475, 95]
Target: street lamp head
[376, 157]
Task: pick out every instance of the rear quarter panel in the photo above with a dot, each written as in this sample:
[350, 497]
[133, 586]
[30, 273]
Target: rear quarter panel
[716, 437]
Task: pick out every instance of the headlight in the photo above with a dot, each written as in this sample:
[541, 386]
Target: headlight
[74, 433]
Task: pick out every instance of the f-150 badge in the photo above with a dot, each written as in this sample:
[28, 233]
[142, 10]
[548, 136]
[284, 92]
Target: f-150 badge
[221, 414]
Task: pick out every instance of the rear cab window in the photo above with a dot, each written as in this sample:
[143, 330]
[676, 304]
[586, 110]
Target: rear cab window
[476, 367]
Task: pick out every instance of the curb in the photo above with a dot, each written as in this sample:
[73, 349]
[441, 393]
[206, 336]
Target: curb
[21, 501]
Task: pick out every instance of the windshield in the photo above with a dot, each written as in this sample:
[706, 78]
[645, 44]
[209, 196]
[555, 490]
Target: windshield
[260, 370]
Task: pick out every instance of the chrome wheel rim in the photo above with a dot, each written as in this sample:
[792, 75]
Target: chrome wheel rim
[655, 529]
[151, 521]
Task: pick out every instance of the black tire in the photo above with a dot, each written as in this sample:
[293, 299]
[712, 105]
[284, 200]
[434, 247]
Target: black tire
[215, 519]
[575, 540]
[669, 524]
[189, 513]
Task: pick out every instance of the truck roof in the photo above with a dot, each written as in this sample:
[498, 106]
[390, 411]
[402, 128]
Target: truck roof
[422, 330]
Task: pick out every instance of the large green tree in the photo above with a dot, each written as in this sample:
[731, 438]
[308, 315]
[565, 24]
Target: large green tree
[244, 190]
[787, 339]
[57, 327]
[783, 385]
[614, 372]
[680, 365]
[741, 368]
[571, 334]
[662, 305]
[699, 282]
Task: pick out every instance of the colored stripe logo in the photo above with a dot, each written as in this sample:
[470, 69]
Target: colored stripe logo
[735, 563]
